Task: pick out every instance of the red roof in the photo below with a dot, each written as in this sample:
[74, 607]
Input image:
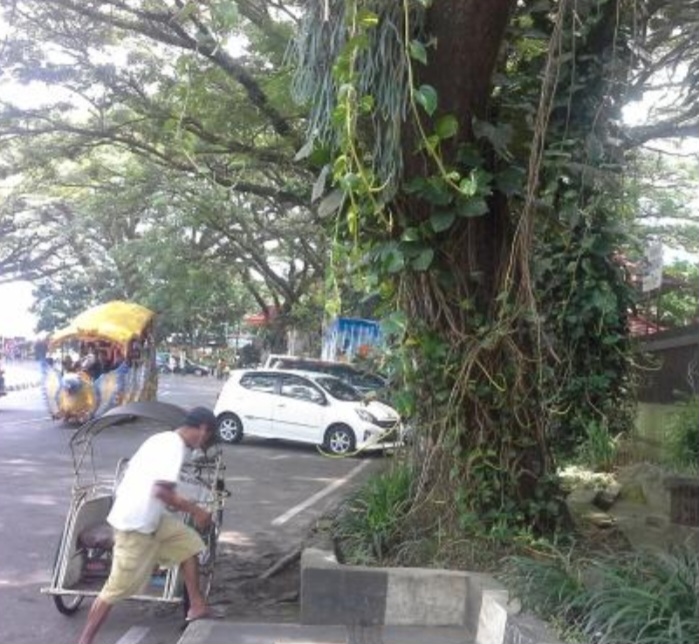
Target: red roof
[640, 326]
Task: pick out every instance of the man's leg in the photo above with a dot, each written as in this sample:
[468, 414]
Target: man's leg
[197, 603]
[182, 544]
[133, 558]
[98, 613]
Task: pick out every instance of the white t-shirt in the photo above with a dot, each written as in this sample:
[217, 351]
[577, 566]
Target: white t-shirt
[135, 506]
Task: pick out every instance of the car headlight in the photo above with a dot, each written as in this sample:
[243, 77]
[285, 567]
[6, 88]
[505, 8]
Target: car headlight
[366, 416]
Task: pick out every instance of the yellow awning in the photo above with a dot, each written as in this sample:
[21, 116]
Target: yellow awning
[115, 321]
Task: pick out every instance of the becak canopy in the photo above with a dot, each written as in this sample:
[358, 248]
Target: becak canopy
[117, 321]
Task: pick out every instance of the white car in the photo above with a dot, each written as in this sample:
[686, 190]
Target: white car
[305, 407]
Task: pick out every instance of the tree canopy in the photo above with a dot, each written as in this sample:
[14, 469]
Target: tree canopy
[467, 162]
[168, 121]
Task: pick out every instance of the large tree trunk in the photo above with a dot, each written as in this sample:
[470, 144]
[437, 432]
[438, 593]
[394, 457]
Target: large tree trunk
[469, 35]
[485, 454]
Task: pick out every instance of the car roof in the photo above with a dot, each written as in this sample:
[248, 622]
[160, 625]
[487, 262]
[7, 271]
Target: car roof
[313, 375]
[315, 362]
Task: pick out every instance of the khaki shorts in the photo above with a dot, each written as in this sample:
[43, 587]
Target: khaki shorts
[135, 555]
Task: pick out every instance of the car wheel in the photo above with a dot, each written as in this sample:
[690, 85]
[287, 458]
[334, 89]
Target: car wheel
[339, 439]
[230, 429]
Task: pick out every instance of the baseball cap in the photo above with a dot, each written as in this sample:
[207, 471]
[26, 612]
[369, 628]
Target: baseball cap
[201, 416]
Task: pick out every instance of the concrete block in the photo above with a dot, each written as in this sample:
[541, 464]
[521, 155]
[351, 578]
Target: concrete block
[343, 595]
[492, 617]
[419, 596]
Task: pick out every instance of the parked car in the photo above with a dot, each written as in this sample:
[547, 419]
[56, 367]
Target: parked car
[363, 381]
[2, 382]
[306, 407]
[165, 364]
[192, 368]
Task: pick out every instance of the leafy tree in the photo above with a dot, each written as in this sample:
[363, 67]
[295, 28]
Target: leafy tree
[476, 152]
[214, 133]
[662, 188]
[676, 303]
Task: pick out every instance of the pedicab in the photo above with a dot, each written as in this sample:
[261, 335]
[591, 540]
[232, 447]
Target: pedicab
[104, 358]
[83, 556]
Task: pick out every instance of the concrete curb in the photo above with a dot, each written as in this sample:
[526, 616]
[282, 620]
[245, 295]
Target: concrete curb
[332, 593]
[23, 385]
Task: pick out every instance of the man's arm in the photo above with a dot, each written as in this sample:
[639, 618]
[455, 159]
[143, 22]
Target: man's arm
[165, 491]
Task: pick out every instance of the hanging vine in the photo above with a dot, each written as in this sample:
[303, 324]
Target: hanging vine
[438, 206]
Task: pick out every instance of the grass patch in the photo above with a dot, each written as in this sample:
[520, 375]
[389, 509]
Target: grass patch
[624, 598]
[370, 523]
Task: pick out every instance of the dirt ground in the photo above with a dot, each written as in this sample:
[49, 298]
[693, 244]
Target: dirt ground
[244, 590]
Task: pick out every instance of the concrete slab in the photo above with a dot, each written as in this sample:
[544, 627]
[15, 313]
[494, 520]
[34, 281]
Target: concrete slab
[220, 632]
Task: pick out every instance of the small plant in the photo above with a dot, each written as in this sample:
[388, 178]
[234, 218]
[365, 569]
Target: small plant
[682, 438]
[371, 521]
[599, 449]
[639, 598]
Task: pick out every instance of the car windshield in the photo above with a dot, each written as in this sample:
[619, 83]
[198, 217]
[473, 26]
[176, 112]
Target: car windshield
[338, 389]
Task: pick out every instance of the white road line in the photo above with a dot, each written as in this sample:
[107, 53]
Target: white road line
[292, 512]
[134, 635]
[25, 422]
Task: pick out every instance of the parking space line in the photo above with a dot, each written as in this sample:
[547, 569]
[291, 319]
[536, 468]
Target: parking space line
[134, 635]
[292, 512]
[14, 423]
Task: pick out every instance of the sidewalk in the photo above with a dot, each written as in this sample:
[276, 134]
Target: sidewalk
[23, 374]
[208, 631]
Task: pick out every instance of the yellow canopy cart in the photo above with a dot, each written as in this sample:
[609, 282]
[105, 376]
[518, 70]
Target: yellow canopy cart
[104, 358]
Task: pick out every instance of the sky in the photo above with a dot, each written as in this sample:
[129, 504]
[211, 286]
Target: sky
[16, 298]
[15, 302]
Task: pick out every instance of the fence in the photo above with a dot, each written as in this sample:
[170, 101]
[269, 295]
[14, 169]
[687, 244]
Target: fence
[675, 369]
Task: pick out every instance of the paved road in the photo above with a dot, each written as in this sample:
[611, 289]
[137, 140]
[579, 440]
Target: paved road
[278, 491]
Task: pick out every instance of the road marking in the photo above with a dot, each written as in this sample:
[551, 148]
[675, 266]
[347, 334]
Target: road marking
[13, 423]
[291, 513]
[134, 635]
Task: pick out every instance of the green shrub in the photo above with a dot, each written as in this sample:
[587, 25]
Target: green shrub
[599, 449]
[682, 439]
[640, 598]
[370, 522]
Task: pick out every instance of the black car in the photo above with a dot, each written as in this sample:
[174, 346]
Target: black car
[363, 381]
[192, 368]
[2, 383]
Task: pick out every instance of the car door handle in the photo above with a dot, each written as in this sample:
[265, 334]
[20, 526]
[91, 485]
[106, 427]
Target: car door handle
[281, 405]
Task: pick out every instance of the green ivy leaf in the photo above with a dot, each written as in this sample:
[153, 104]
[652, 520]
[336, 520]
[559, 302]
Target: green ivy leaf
[468, 186]
[447, 126]
[423, 260]
[442, 220]
[510, 181]
[411, 234]
[415, 185]
[498, 135]
[418, 51]
[437, 192]
[474, 207]
[426, 95]
[396, 261]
